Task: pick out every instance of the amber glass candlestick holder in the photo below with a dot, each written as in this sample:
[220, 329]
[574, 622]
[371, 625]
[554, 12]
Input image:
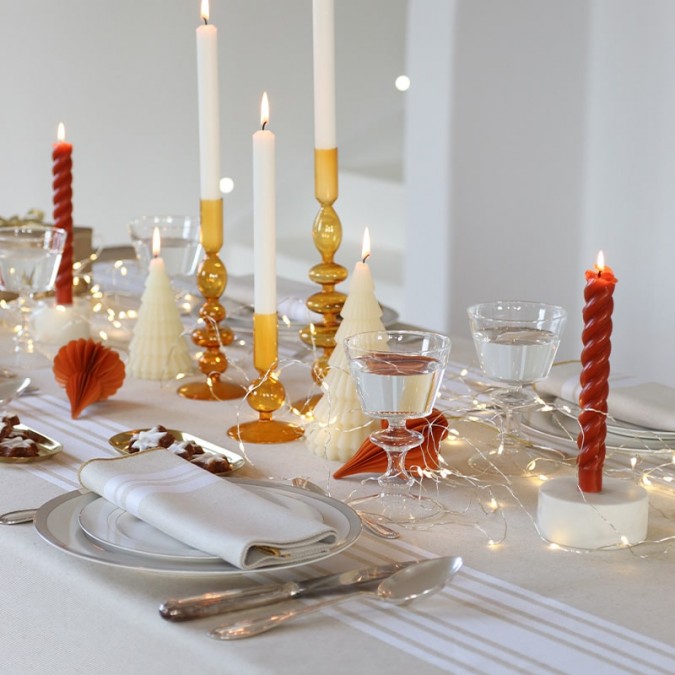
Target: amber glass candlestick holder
[267, 394]
[209, 335]
[327, 236]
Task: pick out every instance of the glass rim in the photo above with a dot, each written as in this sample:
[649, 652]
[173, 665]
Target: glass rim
[29, 228]
[556, 311]
[445, 341]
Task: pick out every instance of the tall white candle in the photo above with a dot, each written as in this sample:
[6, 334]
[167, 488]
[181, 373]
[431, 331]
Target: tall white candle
[324, 74]
[207, 92]
[264, 217]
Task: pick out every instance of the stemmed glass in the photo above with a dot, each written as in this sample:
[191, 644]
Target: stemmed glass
[397, 376]
[181, 249]
[516, 342]
[29, 261]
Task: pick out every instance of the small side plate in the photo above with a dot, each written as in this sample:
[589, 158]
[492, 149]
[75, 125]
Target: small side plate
[47, 447]
[121, 443]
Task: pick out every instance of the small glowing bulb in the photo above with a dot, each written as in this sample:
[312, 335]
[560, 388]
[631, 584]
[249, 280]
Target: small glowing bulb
[226, 185]
[543, 478]
[493, 504]
[633, 462]
[624, 540]
[554, 547]
[402, 83]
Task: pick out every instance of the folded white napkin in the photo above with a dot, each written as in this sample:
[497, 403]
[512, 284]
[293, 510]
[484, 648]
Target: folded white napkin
[646, 404]
[206, 512]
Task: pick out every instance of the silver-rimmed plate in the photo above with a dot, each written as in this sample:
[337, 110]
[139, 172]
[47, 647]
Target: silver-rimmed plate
[117, 530]
[617, 427]
[560, 431]
[57, 522]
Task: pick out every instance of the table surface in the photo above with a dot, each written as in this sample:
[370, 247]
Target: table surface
[517, 606]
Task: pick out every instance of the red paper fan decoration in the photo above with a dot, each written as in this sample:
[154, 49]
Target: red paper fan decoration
[372, 459]
[89, 371]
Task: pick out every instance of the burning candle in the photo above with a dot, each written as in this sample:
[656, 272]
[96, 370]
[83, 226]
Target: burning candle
[324, 74]
[361, 276]
[63, 213]
[264, 217]
[597, 346]
[157, 349]
[207, 92]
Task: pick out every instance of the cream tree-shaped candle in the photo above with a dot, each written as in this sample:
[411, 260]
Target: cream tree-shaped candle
[339, 426]
[157, 349]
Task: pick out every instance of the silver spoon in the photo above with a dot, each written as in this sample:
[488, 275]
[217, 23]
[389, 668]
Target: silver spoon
[369, 523]
[18, 517]
[416, 581]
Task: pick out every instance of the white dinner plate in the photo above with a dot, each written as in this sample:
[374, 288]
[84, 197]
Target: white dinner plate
[118, 530]
[57, 522]
[561, 430]
[617, 427]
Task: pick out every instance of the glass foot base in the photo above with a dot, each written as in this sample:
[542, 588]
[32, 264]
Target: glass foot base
[517, 461]
[305, 406]
[216, 390]
[401, 509]
[27, 361]
[266, 431]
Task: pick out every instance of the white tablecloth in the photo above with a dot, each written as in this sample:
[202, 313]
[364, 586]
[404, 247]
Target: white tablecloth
[517, 606]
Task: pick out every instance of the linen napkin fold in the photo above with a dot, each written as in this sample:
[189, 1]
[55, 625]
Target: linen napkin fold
[206, 512]
[646, 404]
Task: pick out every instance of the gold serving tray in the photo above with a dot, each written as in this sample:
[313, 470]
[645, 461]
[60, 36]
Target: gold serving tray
[47, 447]
[121, 442]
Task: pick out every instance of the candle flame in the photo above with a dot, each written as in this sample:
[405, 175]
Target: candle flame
[365, 247]
[600, 261]
[156, 243]
[205, 11]
[264, 110]
[61, 133]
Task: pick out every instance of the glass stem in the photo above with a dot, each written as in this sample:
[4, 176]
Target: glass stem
[23, 341]
[396, 440]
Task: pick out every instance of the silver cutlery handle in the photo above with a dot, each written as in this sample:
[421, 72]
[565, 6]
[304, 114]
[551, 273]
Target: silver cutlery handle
[244, 628]
[210, 604]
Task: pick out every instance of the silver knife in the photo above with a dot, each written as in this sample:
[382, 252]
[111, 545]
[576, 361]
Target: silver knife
[210, 604]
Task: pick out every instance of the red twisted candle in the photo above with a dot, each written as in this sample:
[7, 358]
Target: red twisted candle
[63, 214]
[595, 374]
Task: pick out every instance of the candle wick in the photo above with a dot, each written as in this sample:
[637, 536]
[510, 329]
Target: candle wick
[264, 124]
[365, 258]
[205, 20]
[599, 274]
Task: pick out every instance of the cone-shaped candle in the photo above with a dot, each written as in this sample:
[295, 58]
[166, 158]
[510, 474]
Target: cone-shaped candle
[339, 426]
[157, 349]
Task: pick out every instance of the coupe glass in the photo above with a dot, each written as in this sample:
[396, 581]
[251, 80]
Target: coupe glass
[516, 342]
[29, 261]
[180, 248]
[397, 376]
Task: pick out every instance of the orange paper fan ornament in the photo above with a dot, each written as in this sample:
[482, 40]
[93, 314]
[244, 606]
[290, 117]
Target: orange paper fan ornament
[89, 371]
[372, 459]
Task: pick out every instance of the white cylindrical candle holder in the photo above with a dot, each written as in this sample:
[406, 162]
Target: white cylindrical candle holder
[616, 516]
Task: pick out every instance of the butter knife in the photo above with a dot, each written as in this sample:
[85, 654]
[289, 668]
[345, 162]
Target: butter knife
[210, 604]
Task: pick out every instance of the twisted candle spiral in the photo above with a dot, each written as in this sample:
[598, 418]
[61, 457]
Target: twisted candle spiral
[63, 218]
[594, 378]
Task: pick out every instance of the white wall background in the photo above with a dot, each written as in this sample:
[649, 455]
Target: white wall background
[556, 135]
[122, 76]
[534, 134]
